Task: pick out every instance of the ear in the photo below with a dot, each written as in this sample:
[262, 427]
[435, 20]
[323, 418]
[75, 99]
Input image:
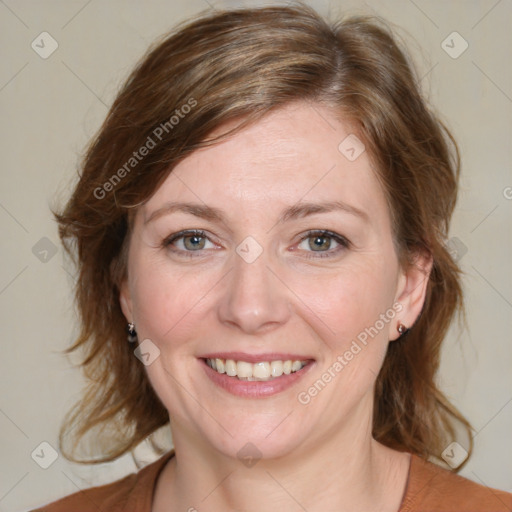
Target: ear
[126, 301]
[412, 289]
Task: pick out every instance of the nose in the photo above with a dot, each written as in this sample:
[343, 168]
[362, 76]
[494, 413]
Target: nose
[254, 300]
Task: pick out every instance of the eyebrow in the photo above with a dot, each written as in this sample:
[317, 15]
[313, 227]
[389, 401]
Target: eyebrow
[296, 211]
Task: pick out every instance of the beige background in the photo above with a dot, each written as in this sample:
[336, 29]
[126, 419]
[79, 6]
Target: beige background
[50, 109]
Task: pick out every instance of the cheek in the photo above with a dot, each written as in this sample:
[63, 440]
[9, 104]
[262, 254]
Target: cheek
[348, 303]
[353, 312]
[165, 298]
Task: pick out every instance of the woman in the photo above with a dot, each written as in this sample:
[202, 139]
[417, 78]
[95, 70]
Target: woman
[264, 211]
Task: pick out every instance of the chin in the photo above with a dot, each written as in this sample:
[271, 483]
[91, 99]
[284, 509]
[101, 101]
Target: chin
[250, 446]
[256, 435]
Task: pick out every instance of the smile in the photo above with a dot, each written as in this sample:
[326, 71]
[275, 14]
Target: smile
[260, 371]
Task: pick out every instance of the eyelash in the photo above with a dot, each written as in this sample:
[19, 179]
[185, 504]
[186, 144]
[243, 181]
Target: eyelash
[182, 234]
[341, 240]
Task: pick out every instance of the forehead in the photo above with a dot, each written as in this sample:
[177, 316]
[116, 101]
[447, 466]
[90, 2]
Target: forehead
[301, 152]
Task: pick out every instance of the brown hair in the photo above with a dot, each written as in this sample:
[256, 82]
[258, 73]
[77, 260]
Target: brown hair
[241, 64]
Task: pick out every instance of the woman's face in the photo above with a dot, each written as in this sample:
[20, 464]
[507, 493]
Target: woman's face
[287, 259]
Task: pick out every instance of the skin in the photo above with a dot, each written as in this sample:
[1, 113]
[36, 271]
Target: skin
[320, 455]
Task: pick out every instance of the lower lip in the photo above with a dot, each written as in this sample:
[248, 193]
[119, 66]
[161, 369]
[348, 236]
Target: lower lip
[255, 389]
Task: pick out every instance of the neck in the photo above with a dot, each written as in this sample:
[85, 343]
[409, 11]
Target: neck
[349, 472]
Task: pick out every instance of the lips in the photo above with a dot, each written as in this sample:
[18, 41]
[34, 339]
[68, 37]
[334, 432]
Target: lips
[253, 375]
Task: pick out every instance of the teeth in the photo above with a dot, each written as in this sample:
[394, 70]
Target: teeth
[264, 370]
[243, 369]
[276, 368]
[296, 365]
[230, 366]
[219, 363]
[261, 370]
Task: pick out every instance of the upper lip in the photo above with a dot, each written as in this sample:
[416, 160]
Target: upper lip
[257, 358]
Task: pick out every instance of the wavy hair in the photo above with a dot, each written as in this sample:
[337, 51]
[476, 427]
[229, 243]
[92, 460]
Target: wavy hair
[241, 64]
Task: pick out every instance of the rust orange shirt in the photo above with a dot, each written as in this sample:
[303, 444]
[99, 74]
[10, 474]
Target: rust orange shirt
[429, 488]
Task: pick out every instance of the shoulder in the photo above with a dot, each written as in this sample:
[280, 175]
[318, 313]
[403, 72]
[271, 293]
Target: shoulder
[432, 488]
[104, 497]
[134, 489]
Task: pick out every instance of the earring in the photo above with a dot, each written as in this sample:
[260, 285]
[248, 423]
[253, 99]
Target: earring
[401, 329]
[132, 334]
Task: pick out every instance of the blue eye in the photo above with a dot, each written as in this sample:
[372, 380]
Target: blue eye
[317, 243]
[324, 243]
[188, 241]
